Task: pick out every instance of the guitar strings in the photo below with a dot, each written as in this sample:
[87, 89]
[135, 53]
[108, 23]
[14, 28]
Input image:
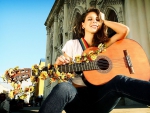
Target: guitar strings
[115, 63]
[103, 64]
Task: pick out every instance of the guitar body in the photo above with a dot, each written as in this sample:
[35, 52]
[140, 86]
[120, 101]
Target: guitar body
[116, 62]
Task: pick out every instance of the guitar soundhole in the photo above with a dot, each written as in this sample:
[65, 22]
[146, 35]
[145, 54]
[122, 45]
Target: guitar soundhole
[103, 64]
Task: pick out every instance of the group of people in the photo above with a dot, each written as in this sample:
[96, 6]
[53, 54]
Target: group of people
[4, 104]
[36, 101]
[8, 105]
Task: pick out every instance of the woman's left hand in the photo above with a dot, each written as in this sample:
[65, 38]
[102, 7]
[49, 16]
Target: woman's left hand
[102, 16]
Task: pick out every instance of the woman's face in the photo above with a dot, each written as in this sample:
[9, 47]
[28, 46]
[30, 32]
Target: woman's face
[92, 23]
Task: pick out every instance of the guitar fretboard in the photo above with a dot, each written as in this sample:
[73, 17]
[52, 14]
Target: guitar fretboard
[75, 67]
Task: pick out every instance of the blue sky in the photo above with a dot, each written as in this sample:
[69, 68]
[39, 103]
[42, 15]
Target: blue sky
[22, 33]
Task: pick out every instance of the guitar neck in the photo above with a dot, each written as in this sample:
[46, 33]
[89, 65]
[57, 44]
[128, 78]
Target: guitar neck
[75, 67]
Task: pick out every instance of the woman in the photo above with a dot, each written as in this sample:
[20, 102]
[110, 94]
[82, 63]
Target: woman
[93, 99]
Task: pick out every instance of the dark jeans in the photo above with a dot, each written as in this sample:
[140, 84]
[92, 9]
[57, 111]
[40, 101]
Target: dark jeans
[95, 99]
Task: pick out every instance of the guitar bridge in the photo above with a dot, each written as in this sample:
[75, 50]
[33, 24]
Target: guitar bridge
[129, 63]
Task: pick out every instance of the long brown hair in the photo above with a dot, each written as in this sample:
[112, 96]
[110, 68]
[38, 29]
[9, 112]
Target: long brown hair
[99, 37]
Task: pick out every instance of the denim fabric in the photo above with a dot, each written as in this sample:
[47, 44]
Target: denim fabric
[95, 99]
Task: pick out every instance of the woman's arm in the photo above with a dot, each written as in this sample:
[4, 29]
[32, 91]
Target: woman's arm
[120, 29]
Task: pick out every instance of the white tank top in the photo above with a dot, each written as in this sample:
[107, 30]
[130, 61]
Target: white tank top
[73, 48]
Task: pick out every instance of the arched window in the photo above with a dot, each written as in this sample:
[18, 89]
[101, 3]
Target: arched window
[78, 15]
[112, 17]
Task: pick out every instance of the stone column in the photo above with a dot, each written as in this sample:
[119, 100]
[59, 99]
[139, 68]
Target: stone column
[55, 37]
[143, 27]
[137, 20]
[65, 32]
[131, 19]
[48, 46]
[147, 9]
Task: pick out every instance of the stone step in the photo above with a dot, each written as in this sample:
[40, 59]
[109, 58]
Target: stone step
[118, 109]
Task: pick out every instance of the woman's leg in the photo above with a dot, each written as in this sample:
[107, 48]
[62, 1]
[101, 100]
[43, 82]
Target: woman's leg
[99, 99]
[81, 103]
[120, 86]
[61, 94]
[135, 89]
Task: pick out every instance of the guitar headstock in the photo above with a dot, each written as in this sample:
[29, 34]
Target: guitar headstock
[18, 75]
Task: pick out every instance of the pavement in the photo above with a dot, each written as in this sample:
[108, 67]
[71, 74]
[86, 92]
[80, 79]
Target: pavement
[118, 109]
[131, 109]
[28, 110]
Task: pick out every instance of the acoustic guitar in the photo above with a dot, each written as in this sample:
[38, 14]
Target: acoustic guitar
[124, 57]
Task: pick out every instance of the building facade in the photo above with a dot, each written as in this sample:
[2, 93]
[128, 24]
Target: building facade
[61, 20]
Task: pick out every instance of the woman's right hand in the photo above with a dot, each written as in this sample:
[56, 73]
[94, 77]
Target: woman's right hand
[62, 60]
